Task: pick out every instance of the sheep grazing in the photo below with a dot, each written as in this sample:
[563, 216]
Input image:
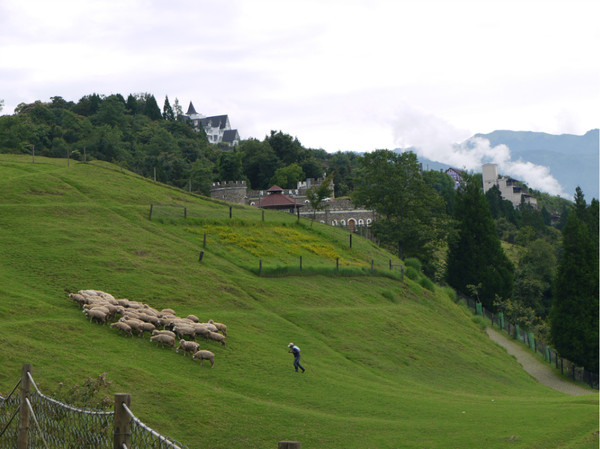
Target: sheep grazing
[78, 298]
[96, 315]
[122, 326]
[201, 330]
[158, 332]
[194, 318]
[185, 331]
[168, 312]
[217, 337]
[220, 326]
[188, 346]
[163, 340]
[204, 355]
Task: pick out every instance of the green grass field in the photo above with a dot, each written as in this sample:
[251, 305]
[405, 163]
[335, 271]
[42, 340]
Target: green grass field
[389, 364]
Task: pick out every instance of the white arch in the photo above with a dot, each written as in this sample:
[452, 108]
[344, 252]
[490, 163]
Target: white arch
[361, 222]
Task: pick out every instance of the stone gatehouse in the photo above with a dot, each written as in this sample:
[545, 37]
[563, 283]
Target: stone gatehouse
[337, 212]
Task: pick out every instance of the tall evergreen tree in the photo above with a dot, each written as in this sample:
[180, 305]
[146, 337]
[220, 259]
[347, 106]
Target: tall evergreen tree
[168, 113]
[151, 108]
[574, 315]
[475, 254]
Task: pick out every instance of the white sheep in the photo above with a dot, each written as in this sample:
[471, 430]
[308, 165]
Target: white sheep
[193, 318]
[78, 298]
[211, 327]
[201, 330]
[188, 346]
[204, 355]
[158, 332]
[163, 339]
[122, 326]
[96, 315]
[220, 326]
[168, 312]
[182, 331]
[217, 337]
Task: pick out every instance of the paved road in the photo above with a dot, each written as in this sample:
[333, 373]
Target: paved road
[534, 366]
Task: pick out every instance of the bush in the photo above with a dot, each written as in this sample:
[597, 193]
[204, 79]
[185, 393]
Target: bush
[480, 321]
[411, 273]
[427, 283]
[414, 263]
[450, 292]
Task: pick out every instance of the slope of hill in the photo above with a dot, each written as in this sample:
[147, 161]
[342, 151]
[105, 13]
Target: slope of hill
[389, 363]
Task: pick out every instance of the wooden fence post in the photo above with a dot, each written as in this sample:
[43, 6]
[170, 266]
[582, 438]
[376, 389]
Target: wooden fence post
[23, 437]
[371, 265]
[201, 256]
[185, 212]
[150, 215]
[350, 240]
[288, 445]
[122, 429]
[204, 243]
[337, 264]
[260, 267]
[300, 263]
[229, 211]
[263, 215]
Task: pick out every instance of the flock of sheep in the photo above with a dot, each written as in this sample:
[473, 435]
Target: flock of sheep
[164, 326]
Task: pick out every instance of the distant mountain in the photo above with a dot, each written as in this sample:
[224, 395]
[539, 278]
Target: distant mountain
[572, 160]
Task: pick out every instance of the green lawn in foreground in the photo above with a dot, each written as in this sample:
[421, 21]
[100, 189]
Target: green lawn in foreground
[389, 364]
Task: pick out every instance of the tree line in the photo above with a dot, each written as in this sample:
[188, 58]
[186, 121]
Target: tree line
[538, 266]
[135, 133]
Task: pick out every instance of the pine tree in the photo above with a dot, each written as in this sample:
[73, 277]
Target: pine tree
[168, 113]
[475, 254]
[574, 315]
[151, 108]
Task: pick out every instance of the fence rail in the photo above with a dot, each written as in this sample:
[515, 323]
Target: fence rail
[47, 423]
[549, 354]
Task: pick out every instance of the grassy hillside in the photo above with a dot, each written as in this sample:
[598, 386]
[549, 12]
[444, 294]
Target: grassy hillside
[389, 364]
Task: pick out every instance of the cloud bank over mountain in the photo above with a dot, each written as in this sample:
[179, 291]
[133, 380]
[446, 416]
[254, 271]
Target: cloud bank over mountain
[434, 139]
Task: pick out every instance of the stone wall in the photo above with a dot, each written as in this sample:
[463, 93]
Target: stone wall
[339, 212]
[231, 191]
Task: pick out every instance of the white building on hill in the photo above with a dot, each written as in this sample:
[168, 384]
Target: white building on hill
[510, 188]
[217, 128]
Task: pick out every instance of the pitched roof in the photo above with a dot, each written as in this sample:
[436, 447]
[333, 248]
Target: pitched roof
[277, 199]
[229, 135]
[191, 110]
[216, 121]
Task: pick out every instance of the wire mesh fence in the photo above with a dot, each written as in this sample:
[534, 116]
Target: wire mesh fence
[9, 420]
[52, 424]
[528, 338]
[143, 436]
[59, 425]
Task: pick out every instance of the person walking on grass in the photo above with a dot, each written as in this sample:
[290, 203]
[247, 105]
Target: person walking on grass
[295, 350]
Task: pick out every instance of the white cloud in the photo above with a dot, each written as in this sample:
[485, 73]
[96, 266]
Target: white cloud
[437, 140]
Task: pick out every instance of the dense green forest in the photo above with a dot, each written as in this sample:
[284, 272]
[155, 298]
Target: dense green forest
[512, 259]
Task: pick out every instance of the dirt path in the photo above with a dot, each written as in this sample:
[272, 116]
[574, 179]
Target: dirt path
[538, 369]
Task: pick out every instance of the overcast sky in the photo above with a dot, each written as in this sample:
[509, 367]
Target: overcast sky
[349, 75]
